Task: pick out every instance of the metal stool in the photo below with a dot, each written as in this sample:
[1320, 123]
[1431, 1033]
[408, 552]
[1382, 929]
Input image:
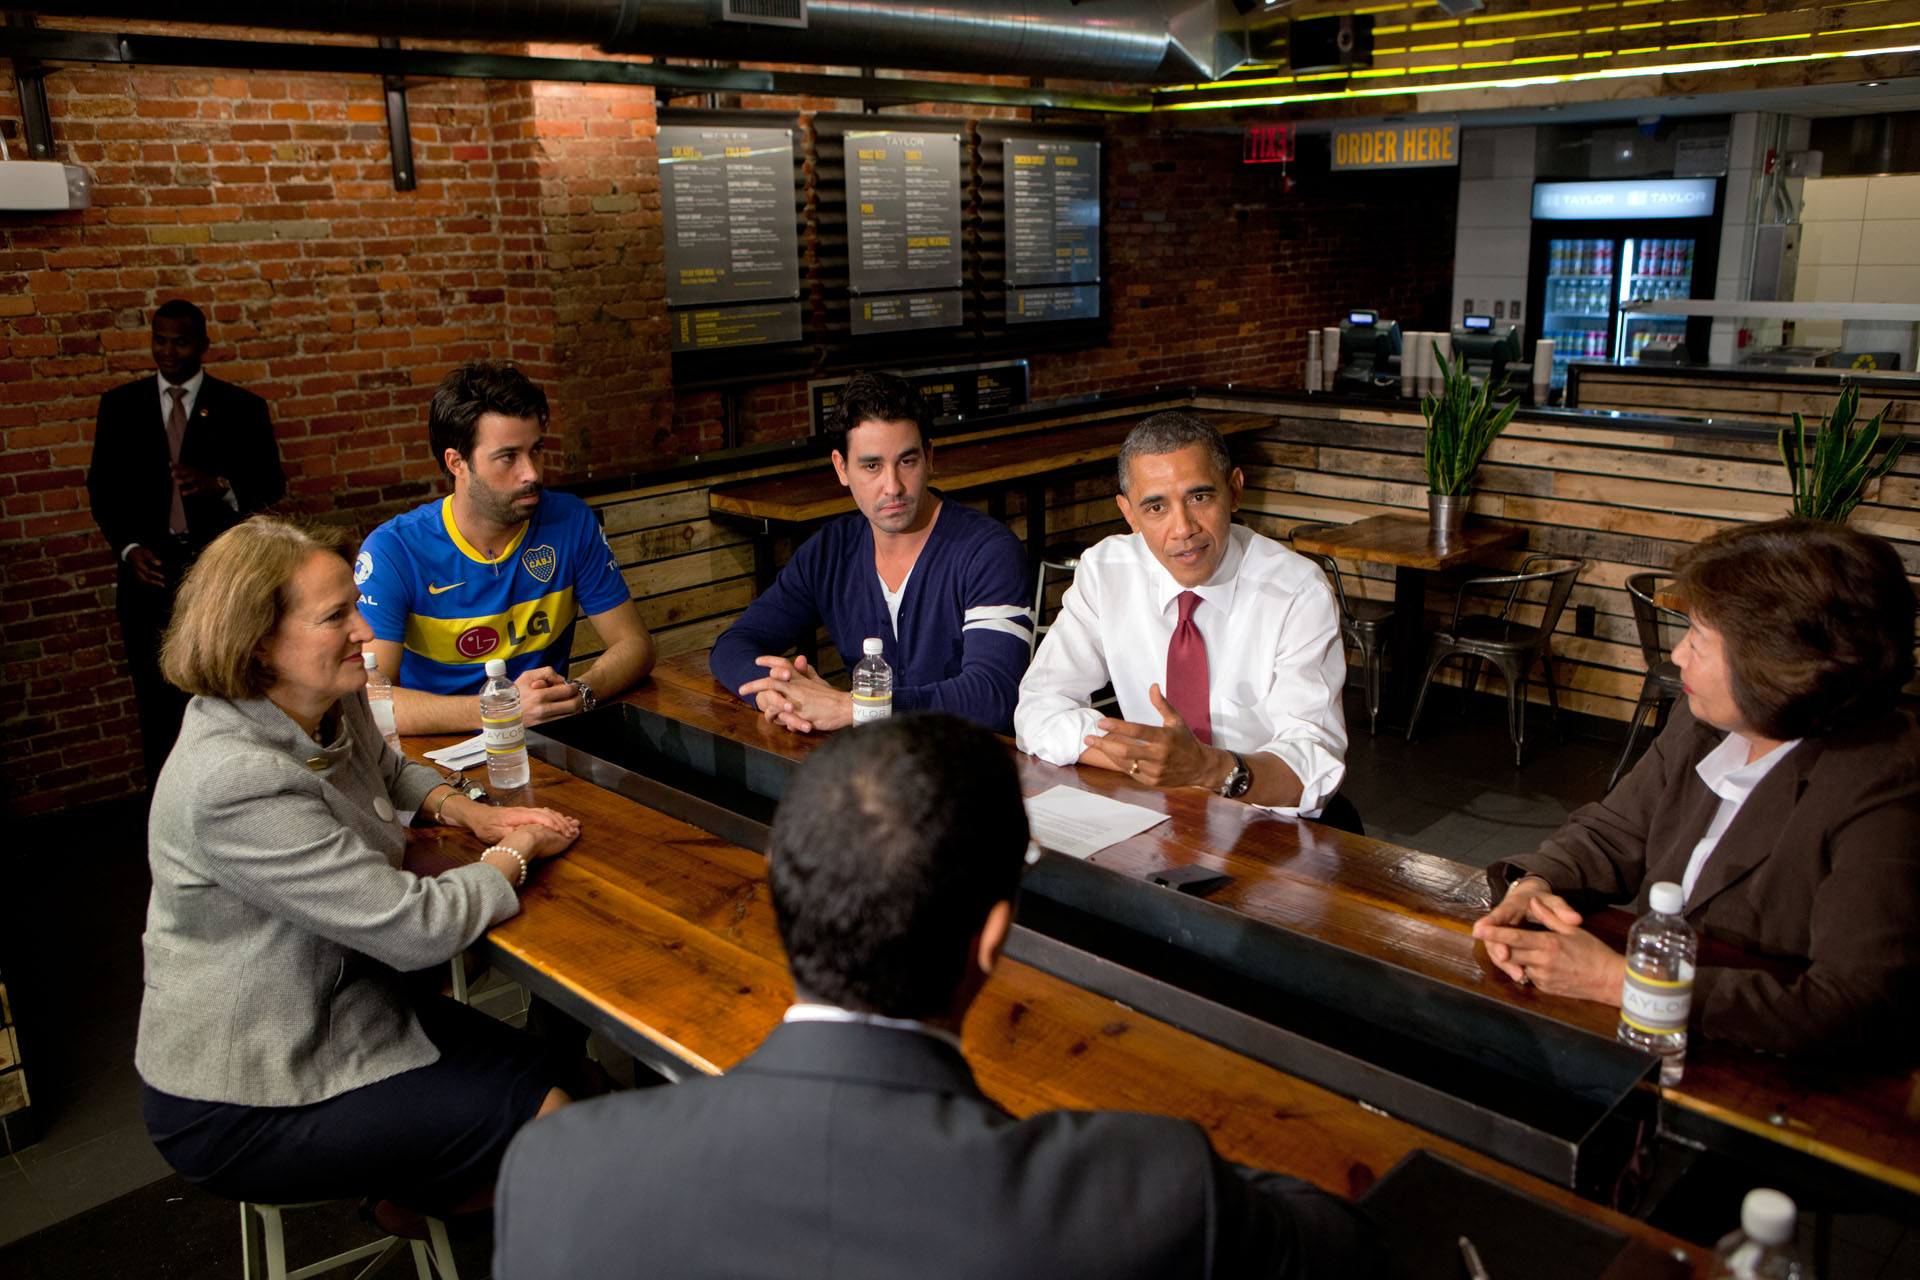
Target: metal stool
[1363, 622]
[263, 1248]
[1662, 683]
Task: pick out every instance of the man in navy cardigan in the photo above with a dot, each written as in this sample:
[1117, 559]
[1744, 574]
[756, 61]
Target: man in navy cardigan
[943, 587]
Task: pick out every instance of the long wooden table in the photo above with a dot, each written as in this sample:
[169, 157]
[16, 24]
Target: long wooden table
[1411, 546]
[1415, 911]
[664, 935]
[1028, 460]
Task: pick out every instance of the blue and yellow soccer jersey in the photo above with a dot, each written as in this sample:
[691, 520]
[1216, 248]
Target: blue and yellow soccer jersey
[452, 609]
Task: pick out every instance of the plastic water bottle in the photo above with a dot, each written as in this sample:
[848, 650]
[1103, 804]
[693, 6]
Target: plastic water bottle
[500, 722]
[1762, 1249]
[872, 684]
[380, 702]
[1658, 990]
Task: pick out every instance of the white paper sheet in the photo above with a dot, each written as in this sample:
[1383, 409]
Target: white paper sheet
[461, 754]
[1080, 824]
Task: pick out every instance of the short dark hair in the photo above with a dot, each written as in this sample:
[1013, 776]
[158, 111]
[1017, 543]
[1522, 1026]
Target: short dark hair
[181, 309]
[876, 397]
[477, 387]
[1171, 432]
[889, 847]
[1817, 619]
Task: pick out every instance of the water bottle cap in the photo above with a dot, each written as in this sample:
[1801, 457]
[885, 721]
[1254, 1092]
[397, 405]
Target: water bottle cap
[872, 646]
[1666, 898]
[1767, 1215]
[497, 668]
[366, 659]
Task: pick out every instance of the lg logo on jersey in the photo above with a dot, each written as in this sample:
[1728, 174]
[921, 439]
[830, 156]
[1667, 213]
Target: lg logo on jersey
[478, 642]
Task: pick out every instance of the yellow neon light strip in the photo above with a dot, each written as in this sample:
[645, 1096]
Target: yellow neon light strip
[1605, 73]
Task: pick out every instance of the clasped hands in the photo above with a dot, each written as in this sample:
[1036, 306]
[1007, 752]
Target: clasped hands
[535, 832]
[545, 695]
[1560, 957]
[1162, 755]
[796, 697]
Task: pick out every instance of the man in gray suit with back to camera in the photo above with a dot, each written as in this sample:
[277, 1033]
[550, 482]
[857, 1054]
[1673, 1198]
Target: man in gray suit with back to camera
[854, 1142]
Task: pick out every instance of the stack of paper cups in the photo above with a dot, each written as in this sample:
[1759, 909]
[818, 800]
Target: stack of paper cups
[1409, 362]
[1542, 370]
[1330, 354]
[1315, 379]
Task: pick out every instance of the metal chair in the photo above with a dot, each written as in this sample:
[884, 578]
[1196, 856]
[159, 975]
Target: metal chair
[1662, 683]
[1061, 558]
[1511, 646]
[263, 1248]
[1363, 623]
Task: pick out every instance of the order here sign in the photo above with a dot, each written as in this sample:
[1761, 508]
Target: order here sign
[1413, 145]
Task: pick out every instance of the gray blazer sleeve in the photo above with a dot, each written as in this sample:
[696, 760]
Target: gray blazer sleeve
[270, 837]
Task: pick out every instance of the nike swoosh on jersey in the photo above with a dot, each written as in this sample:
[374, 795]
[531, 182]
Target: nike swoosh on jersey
[434, 591]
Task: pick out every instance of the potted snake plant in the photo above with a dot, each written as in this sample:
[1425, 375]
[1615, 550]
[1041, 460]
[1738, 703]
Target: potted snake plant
[1461, 426]
[1830, 473]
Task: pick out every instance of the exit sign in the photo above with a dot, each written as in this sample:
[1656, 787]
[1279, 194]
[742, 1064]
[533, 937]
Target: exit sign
[1267, 144]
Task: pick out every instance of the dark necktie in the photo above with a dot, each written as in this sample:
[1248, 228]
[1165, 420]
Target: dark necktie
[1187, 671]
[176, 432]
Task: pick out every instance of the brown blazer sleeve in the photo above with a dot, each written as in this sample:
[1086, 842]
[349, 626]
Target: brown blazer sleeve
[1859, 891]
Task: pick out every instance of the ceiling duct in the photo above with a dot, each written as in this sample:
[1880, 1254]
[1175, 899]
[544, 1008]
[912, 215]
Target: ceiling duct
[1136, 41]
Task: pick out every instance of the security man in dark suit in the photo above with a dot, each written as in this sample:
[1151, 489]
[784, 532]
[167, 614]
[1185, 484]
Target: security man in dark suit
[178, 459]
[854, 1142]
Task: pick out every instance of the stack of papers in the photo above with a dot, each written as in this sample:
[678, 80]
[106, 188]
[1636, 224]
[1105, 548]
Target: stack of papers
[1080, 824]
[461, 755]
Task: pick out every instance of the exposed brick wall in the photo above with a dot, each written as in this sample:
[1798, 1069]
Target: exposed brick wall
[534, 233]
[268, 199]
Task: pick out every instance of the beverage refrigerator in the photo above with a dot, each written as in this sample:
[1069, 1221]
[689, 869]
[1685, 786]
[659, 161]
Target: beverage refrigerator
[1600, 249]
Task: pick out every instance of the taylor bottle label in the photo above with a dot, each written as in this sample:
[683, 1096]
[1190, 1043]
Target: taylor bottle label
[1657, 1006]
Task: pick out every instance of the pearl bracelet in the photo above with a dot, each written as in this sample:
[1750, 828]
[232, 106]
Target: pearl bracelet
[516, 855]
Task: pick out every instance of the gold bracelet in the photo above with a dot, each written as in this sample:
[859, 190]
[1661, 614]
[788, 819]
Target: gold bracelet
[440, 808]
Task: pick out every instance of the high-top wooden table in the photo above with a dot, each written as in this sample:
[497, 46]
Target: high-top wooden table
[1409, 544]
[1028, 460]
[1415, 910]
[663, 936]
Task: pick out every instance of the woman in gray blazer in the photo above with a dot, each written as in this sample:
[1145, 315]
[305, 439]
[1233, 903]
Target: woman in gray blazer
[1784, 799]
[283, 1055]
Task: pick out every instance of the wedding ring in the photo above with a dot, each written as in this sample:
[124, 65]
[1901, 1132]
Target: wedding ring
[1135, 770]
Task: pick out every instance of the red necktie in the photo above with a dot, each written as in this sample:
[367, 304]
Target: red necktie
[1187, 671]
[176, 432]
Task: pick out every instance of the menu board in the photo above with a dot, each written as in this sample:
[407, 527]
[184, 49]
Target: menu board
[893, 312]
[710, 328]
[1053, 212]
[727, 198]
[903, 209]
[1068, 302]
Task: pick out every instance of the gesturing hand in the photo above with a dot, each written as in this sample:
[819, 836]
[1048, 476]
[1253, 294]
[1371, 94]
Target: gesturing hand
[1162, 755]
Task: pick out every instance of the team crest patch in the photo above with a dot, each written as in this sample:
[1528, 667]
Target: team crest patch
[362, 568]
[540, 561]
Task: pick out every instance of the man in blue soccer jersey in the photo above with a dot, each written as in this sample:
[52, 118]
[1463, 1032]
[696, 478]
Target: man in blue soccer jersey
[497, 569]
[943, 587]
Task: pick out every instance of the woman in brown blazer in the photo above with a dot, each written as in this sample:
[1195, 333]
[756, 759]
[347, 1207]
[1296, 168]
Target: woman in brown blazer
[1784, 798]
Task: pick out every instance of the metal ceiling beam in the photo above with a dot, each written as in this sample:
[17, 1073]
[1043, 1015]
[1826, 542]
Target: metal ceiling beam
[54, 45]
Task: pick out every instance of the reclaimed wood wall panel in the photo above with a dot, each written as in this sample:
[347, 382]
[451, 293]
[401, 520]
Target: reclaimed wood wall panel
[1626, 499]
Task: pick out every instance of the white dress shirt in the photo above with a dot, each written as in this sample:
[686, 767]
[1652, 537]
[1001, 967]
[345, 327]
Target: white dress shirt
[1728, 775]
[1275, 664]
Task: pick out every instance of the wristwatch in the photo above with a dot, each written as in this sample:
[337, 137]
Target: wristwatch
[587, 701]
[1238, 780]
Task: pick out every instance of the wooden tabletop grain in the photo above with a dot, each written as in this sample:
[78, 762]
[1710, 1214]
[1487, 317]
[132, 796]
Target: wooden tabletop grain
[1414, 910]
[670, 931]
[1409, 542]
